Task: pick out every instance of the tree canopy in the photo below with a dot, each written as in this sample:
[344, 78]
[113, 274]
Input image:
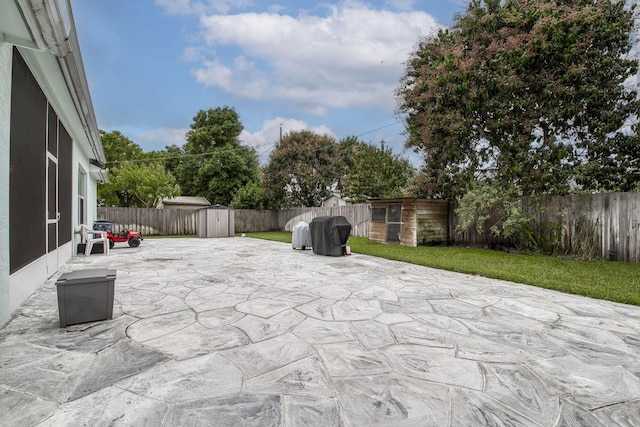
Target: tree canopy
[142, 184]
[303, 170]
[373, 171]
[527, 94]
[134, 179]
[213, 163]
[118, 147]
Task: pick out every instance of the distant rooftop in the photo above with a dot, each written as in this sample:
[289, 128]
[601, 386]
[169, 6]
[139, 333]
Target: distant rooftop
[186, 200]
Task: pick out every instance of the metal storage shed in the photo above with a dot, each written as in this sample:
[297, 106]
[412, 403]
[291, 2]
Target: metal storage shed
[215, 221]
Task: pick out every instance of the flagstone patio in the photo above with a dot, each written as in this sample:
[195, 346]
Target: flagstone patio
[240, 331]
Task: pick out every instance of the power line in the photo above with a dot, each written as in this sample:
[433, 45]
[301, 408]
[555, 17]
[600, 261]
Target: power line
[382, 127]
[185, 155]
[397, 53]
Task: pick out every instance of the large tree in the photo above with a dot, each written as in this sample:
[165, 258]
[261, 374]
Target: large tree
[135, 179]
[214, 164]
[523, 93]
[118, 148]
[303, 170]
[373, 171]
[142, 184]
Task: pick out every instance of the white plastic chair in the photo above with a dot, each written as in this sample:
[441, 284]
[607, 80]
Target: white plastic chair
[89, 238]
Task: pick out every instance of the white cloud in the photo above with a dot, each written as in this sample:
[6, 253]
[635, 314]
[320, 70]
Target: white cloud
[214, 73]
[351, 57]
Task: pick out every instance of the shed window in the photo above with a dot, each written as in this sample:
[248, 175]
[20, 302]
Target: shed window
[394, 213]
[378, 214]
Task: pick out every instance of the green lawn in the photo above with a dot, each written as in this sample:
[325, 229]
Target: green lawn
[608, 280]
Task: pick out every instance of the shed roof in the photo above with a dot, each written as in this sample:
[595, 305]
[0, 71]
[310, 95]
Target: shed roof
[400, 199]
[186, 200]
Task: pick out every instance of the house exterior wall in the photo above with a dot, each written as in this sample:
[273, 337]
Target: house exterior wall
[47, 131]
[333, 201]
[5, 115]
[81, 162]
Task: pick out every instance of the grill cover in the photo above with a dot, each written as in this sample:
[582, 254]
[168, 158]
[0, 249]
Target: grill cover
[301, 237]
[329, 235]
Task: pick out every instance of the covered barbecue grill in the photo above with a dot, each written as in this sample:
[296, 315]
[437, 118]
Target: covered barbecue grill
[301, 237]
[329, 235]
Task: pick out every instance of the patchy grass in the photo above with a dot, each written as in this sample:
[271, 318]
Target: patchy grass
[608, 280]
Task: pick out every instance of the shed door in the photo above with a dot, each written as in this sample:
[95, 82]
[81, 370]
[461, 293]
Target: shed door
[394, 222]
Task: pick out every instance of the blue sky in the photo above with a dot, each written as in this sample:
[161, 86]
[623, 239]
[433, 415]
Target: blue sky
[327, 66]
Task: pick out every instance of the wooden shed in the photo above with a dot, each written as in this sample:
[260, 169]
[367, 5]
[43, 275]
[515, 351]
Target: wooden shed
[409, 221]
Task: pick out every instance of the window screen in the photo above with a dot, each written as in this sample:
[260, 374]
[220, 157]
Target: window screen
[394, 212]
[378, 214]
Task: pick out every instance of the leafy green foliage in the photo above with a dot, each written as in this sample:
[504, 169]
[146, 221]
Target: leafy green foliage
[373, 171]
[135, 180]
[484, 201]
[142, 184]
[215, 127]
[303, 170]
[524, 98]
[118, 147]
[213, 163]
[613, 165]
[251, 196]
[528, 93]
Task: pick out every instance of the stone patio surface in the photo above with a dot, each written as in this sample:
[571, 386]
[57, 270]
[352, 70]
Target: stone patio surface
[245, 332]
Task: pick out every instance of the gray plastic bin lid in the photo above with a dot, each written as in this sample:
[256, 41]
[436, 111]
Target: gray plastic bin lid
[86, 276]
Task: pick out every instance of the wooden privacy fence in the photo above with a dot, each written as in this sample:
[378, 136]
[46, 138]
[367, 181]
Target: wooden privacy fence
[150, 221]
[358, 216]
[165, 222]
[605, 225]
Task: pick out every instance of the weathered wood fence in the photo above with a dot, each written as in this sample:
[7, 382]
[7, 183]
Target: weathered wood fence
[149, 221]
[165, 222]
[605, 225]
[263, 220]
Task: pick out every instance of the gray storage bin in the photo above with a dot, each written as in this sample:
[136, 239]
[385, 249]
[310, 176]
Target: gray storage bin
[85, 296]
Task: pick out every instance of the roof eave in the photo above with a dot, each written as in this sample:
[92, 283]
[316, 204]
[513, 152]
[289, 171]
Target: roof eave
[52, 26]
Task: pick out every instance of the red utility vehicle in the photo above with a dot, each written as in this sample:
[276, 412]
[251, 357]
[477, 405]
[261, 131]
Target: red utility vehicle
[133, 238]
